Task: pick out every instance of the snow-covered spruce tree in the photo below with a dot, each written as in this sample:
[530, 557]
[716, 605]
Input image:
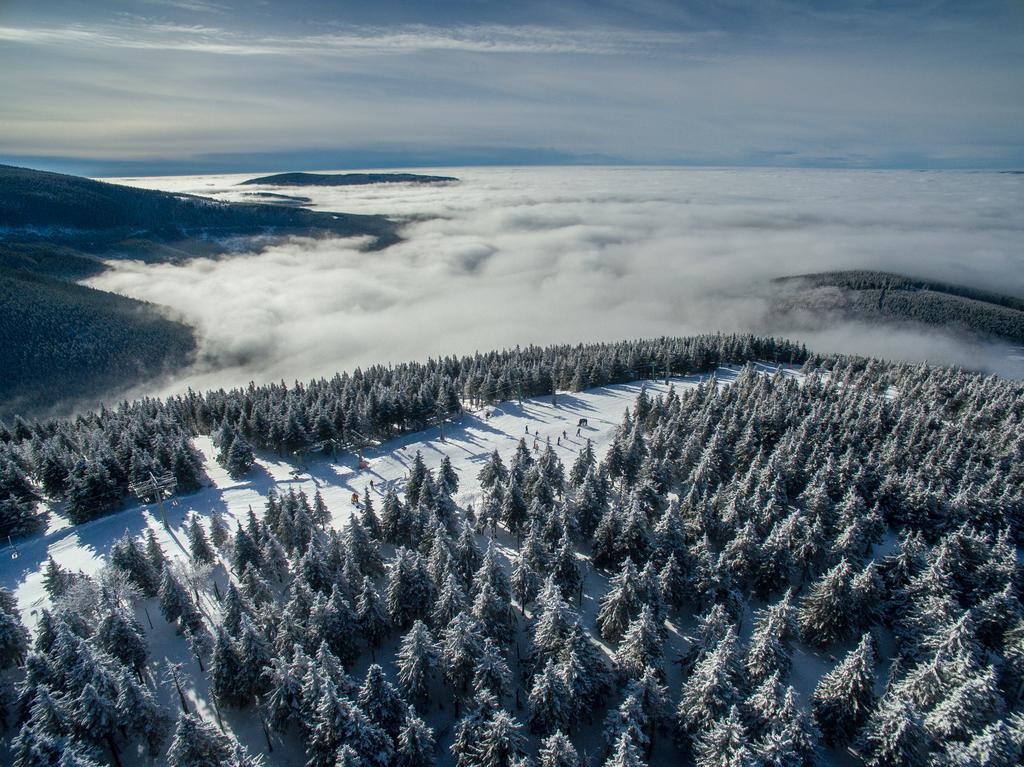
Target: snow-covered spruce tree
[826, 611]
[199, 547]
[525, 582]
[566, 568]
[228, 680]
[461, 645]
[844, 697]
[14, 636]
[371, 614]
[493, 474]
[583, 465]
[362, 549]
[468, 729]
[513, 511]
[447, 477]
[198, 743]
[557, 750]
[239, 459]
[551, 624]
[763, 705]
[768, 650]
[550, 706]
[625, 754]
[417, 660]
[711, 690]
[174, 600]
[1001, 744]
[410, 590]
[631, 719]
[382, 702]
[491, 673]
[283, 703]
[501, 743]
[641, 646]
[493, 612]
[414, 746]
[118, 634]
[968, 709]
[139, 714]
[620, 604]
[725, 744]
[895, 736]
[128, 556]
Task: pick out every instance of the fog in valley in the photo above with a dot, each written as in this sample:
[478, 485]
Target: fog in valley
[541, 255]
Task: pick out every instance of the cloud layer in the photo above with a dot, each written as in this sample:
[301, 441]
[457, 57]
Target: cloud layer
[518, 256]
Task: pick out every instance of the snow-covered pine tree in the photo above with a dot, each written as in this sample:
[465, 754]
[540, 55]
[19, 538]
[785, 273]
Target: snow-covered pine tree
[620, 604]
[414, 746]
[501, 742]
[725, 743]
[557, 750]
[844, 697]
[382, 702]
[371, 614]
[826, 612]
[550, 706]
[491, 673]
[198, 743]
[711, 690]
[641, 646]
[895, 736]
[417, 660]
[410, 590]
[228, 678]
[625, 754]
[461, 644]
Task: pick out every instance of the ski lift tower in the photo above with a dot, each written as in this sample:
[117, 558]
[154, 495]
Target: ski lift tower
[156, 487]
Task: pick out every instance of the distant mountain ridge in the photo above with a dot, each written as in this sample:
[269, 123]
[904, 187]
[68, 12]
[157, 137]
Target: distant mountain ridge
[876, 295]
[347, 179]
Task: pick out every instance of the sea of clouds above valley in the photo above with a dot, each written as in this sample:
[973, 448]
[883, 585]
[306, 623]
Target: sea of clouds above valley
[539, 255]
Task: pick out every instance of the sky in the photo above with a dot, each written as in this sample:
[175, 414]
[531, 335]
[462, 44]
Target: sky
[111, 87]
[545, 255]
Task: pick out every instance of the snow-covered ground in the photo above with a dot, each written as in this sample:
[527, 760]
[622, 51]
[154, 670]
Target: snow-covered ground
[469, 440]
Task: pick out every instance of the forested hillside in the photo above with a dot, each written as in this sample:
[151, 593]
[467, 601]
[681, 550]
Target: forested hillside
[63, 345]
[39, 205]
[867, 295]
[61, 342]
[782, 571]
[90, 462]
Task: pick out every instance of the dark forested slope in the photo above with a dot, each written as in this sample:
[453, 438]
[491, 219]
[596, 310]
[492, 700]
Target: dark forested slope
[347, 179]
[60, 342]
[868, 295]
[36, 205]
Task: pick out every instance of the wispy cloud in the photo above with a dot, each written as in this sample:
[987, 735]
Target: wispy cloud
[481, 39]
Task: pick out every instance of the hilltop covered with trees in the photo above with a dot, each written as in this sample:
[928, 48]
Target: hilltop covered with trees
[862, 520]
[348, 179]
[89, 462]
[868, 295]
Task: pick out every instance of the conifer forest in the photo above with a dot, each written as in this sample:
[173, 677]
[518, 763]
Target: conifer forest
[768, 558]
